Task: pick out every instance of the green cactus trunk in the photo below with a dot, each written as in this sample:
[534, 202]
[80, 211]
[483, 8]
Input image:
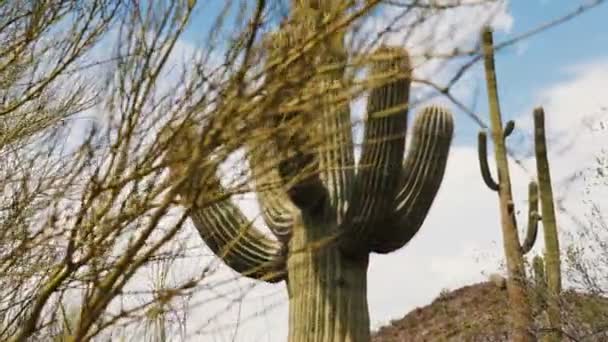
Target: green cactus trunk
[548, 279]
[540, 282]
[552, 257]
[327, 290]
[520, 310]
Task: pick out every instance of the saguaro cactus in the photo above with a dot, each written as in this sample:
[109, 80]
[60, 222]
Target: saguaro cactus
[329, 220]
[521, 313]
[552, 255]
[540, 281]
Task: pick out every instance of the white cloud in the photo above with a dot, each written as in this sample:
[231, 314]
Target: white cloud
[573, 110]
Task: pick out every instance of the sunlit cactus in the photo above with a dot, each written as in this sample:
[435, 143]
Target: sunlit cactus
[521, 312]
[326, 212]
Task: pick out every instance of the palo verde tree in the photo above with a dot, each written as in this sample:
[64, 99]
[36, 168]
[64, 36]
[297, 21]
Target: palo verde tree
[327, 213]
[521, 310]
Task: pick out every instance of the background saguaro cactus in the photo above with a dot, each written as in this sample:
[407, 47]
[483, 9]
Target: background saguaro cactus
[327, 213]
[521, 314]
[552, 253]
[522, 320]
[540, 282]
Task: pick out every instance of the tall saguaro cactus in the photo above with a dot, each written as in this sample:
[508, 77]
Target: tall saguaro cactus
[521, 313]
[552, 255]
[329, 220]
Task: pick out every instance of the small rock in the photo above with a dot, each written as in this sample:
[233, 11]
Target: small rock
[498, 280]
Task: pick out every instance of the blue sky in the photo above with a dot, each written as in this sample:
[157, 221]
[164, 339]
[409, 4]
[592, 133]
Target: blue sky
[547, 56]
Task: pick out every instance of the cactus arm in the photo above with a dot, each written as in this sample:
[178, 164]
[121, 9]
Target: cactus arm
[482, 152]
[509, 128]
[297, 168]
[231, 236]
[378, 172]
[540, 283]
[532, 229]
[318, 161]
[275, 205]
[228, 233]
[220, 223]
[424, 168]
[333, 134]
[337, 161]
[538, 267]
[277, 212]
[552, 257]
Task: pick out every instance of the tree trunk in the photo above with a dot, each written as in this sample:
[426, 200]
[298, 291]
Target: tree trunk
[327, 290]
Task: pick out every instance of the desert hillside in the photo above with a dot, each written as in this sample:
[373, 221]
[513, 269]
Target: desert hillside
[478, 313]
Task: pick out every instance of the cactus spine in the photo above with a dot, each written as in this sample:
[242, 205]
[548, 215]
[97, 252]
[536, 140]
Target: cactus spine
[548, 278]
[329, 218]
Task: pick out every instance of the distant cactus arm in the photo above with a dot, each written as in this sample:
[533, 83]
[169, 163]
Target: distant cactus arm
[482, 151]
[424, 169]
[509, 128]
[378, 172]
[232, 237]
[532, 229]
[540, 282]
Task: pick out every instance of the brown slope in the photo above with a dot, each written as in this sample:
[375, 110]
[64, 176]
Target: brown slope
[477, 313]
